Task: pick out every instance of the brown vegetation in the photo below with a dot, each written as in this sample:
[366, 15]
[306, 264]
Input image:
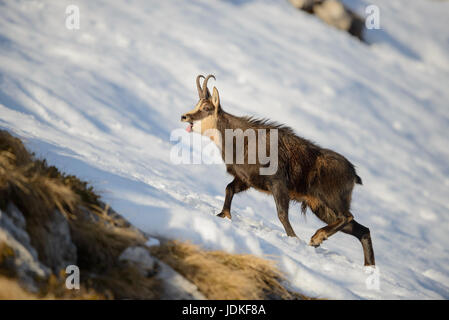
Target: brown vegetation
[220, 275]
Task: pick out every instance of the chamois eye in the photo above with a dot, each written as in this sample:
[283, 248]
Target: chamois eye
[207, 107]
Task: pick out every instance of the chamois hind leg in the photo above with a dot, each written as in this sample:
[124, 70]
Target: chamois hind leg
[282, 200]
[234, 187]
[363, 234]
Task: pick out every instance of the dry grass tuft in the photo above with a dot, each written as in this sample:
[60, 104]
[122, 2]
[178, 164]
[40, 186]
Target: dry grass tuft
[11, 290]
[55, 289]
[14, 146]
[126, 282]
[32, 190]
[99, 245]
[220, 275]
[6, 252]
[34, 186]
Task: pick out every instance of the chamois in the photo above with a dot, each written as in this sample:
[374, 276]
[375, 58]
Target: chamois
[319, 178]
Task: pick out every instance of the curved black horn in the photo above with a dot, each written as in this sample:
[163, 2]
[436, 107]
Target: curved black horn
[205, 91]
[198, 86]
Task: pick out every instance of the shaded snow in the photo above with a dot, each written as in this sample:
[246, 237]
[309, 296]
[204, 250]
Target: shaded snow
[101, 102]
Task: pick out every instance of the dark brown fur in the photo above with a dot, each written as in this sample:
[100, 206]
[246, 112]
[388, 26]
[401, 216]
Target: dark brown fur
[319, 178]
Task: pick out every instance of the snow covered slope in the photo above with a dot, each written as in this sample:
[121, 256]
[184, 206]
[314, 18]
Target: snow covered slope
[102, 101]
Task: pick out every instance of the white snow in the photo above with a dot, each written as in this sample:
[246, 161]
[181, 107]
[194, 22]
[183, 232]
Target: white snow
[101, 102]
[153, 242]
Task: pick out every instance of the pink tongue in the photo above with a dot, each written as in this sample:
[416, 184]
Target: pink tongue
[189, 128]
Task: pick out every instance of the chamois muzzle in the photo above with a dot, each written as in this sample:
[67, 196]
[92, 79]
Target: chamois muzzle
[186, 118]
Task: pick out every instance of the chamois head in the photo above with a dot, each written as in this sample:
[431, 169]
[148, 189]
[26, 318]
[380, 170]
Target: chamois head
[204, 115]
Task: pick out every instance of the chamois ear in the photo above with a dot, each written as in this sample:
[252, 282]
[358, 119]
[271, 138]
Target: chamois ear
[216, 99]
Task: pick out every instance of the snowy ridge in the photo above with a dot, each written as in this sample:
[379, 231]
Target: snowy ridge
[101, 102]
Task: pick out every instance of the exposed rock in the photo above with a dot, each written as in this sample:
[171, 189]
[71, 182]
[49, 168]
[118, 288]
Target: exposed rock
[18, 256]
[176, 287]
[17, 217]
[14, 222]
[333, 12]
[357, 25]
[306, 5]
[140, 258]
[52, 240]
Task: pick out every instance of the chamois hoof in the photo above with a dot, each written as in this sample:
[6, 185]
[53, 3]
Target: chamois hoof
[318, 238]
[224, 215]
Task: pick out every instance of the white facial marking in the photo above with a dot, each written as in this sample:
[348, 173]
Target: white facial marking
[196, 126]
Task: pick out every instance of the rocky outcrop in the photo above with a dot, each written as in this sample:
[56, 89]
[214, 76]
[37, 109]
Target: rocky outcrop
[52, 239]
[306, 5]
[173, 285]
[18, 258]
[140, 258]
[33, 263]
[334, 13]
[176, 286]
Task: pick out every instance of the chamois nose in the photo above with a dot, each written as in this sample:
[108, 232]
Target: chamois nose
[183, 117]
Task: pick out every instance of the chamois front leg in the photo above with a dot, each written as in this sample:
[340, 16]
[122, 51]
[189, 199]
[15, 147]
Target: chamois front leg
[234, 187]
[282, 200]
